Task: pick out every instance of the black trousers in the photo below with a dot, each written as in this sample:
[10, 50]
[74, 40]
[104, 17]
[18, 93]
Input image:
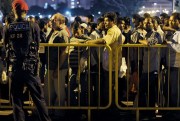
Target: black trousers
[19, 80]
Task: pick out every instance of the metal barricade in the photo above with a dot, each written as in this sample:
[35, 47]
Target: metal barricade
[85, 100]
[162, 91]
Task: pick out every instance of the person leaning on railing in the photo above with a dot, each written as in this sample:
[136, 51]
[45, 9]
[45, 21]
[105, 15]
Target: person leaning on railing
[173, 67]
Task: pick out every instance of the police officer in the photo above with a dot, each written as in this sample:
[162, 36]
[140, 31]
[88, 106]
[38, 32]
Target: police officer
[21, 41]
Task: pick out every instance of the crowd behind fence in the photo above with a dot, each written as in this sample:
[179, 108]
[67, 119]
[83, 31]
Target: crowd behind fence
[82, 88]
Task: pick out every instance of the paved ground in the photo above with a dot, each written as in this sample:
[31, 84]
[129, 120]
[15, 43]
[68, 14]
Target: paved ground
[76, 115]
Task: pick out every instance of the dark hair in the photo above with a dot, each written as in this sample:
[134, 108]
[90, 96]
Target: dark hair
[99, 20]
[93, 25]
[111, 16]
[157, 19]
[164, 15]
[146, 15]
[127, 20]
[141, 19]
[90, 17]
[10, 18]
[75, 25]
[77, 19]
[1, 30]
[66, 21]
[176, 16]
[42, 23]
[136, 16]
[119, 20]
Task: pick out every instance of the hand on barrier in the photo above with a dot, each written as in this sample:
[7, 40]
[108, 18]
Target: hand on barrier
[4, 77]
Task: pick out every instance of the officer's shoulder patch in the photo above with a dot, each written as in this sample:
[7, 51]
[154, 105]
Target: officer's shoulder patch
[19, 26]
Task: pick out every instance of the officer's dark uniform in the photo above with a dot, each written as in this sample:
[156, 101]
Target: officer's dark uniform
[21, 40]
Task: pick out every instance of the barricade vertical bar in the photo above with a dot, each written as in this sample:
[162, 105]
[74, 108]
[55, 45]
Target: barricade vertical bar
[148, 75]
[89, 114]
[49, 81]
[78, 78]
[99, 77]
[137, 115]
[168, 78]
[59, 92]
[89, 77]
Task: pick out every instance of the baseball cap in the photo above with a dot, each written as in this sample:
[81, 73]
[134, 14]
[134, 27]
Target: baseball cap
[84, 25]
[20, 4]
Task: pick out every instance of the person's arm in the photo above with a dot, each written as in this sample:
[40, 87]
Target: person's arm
[36, 34]
[167, 28]
[105, 40]
[144, 42]
[152, 40]
[5, 37]
[175, 44]
[63, 57]
[65, 36]
[97, 41]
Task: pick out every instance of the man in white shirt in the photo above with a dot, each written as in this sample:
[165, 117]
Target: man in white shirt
[173, 63]
[113, 38]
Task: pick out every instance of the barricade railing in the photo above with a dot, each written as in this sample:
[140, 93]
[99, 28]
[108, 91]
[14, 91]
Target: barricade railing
[131, 98]
[130, 101]
[87, 100]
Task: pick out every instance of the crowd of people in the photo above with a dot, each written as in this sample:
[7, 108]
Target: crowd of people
[60, 64]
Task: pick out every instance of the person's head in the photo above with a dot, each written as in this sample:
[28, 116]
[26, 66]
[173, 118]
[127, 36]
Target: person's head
[100, 23]
[148, 24]
[92, 27]
[90, 18]
[121, 23]
[37, 18]
[164, 18]
[77, 19]
[146, 15]
[9, 18]
[57, 20]
[127, 21]
[43, 24]
[174, 21]
[156, 22]
[110, 19]
[20, 8]
[84, 28]
[76, 29]
[136, 19]
[31, 19]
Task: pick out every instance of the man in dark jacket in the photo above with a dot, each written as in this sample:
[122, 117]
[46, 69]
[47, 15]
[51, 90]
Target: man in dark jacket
[21, 41]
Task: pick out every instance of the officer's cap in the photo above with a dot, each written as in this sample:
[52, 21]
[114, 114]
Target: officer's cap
[21, 4]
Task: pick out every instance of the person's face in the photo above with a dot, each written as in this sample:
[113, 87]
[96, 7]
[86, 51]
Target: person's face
[166, 21]
[122, 25]
[155, 24]
[174, 23]
[31, 19]
[162, 19]
[82, 29]
[108, 24]
[148, 25]
[78, 32]
[55, 22]
[101, 26]
[45, 28]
